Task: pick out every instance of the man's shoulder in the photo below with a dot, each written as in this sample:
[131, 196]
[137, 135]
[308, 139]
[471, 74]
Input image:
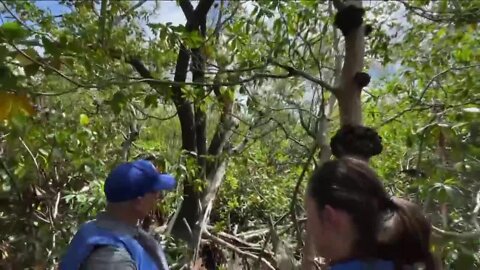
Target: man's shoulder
[109, 257]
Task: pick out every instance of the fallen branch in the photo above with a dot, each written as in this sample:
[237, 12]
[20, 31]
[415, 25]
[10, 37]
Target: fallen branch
[249, 255]
[248, 235]
[240, 243]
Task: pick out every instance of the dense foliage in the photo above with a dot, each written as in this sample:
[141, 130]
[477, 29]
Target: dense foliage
[75, 101]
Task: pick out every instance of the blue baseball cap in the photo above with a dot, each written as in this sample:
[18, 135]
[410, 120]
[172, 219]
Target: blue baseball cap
[131, 180]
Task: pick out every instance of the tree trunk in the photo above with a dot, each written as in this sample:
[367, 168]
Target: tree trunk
[185, 225]
[347, 92]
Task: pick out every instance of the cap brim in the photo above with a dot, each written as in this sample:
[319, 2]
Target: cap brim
[165, 182]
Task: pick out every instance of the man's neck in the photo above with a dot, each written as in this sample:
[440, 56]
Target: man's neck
[122, 215]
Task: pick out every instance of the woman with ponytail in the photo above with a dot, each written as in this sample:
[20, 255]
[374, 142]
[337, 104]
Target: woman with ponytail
[355, 224]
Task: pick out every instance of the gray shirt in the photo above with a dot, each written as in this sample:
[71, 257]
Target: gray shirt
[110, 257]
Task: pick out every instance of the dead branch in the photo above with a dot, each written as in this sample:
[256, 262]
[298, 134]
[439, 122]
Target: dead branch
[234, 240]
[249, 255]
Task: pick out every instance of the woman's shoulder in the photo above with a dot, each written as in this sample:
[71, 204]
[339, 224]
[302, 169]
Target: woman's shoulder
[364, 265]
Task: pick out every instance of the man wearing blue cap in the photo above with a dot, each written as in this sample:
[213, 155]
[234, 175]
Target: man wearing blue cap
[114, 240]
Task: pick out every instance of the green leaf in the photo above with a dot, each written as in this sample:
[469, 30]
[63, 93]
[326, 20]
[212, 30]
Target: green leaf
[12, 31]
[31, 70]
[193, 39]
[463, 54]
[50, 47]
[421, 2]
[7, 78]
[441, 33]
[118, 102]
[3, 52]
[308, 3]
[84, 120]
[20, 170]
[151, 101]
[464, 261]
[443, 7]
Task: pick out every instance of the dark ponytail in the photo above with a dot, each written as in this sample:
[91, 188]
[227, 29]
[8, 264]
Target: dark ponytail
[404, 236]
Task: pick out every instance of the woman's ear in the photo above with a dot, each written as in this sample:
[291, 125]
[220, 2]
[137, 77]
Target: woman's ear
[329, 215]
[335, 218]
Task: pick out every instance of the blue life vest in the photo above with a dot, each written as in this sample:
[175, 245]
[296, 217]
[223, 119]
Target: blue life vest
[364, 265]
[90, 236]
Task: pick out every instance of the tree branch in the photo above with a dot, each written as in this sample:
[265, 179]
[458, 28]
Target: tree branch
[458, 235]
[295, 72]
[293, 203]
[102, 20]
[147, 115]
[187, 9]
[46, 66]
[201, 11]
[225, 124]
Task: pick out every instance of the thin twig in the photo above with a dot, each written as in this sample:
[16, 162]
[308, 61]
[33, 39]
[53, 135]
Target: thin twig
[32, 156]
[46, 66]
[153, 116]
[459, 235]
[401, 113]
[57, 202]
